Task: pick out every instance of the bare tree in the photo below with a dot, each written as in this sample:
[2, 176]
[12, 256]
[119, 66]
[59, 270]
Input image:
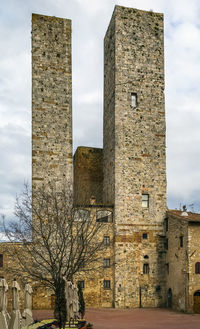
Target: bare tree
[56, 240]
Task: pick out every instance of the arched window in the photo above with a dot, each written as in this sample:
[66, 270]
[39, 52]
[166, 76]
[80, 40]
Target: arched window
[197, 268]
[81, 215]
[146, 268]
[104, 216]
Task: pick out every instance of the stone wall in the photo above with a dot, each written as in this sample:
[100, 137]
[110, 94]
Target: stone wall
[88, 175]
[11, 263]
[176, 267]
[193, 257]
[134, 150]
[182, 255]
[11, 269]
[109, 115]
[94, 275]
[95, 294]
[51, 100]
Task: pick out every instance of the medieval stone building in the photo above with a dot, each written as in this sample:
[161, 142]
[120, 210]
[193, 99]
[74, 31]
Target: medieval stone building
[124, 183]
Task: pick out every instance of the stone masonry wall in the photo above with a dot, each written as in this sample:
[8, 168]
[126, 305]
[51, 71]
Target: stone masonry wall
[88, 175]
[134, 149]
[109, 115]
[176, 267]
[11, 269]
[193, 257]
[95, 294]
[51, 100]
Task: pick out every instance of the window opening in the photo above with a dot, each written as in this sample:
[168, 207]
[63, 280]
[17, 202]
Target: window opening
[197, 268]
[104, 216]
[166, 244]
[145, 200]
[166, 224]
[81, 283]
[133, 100]
[102, 219]
[106, 262]
[106, 284]
[106, 240]
[146, 269]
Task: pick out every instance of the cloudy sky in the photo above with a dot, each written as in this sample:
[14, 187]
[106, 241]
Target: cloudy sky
[90, 19]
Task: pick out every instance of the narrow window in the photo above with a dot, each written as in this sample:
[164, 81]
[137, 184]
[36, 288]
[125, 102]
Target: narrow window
[166, 244]
[81, 283]
[146, 257]
[145, 200]
[197, 268]
[106, 262]
[167, 268]
[166, 224]
[1, 260]
[106, 284]
[106, 240]
[181, 241]
[144, 236]
[146, 269]
[133, 100]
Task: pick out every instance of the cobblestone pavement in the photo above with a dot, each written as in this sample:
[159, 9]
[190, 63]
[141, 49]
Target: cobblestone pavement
[135, 319]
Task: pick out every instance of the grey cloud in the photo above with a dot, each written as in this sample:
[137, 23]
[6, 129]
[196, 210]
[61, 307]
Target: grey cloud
[89, 23]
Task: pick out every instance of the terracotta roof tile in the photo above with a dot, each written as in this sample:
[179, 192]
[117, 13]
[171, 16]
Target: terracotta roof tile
[192, 217]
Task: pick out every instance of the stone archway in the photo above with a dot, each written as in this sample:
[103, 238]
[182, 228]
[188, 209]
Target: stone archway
[169, 298]
[196, 302]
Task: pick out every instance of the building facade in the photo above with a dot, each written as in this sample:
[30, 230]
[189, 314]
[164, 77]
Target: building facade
[123, 184]
[182, 246]
[134, 153]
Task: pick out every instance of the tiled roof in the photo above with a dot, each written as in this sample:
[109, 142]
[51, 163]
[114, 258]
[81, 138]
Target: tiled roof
[192, 217]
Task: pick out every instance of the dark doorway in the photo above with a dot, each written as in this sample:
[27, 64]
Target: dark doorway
[169, 298]
[196, 305]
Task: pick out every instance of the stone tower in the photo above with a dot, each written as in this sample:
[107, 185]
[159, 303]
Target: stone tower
[134, 153]
[51, 100]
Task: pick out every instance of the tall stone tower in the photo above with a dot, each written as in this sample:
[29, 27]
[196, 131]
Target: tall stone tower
[134, 153]
[51, 100]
